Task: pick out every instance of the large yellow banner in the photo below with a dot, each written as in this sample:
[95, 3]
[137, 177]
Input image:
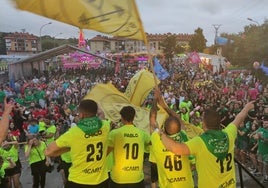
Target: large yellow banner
[115, 17]
[139, 87]
[112, 101]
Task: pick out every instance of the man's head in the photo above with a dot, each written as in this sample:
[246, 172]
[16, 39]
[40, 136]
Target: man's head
[128, 114]
[265, 122]
[87, 108]
[211, 119]
[172, 125]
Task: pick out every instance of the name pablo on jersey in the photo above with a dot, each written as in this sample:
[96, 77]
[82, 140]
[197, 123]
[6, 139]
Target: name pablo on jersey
[131, 135]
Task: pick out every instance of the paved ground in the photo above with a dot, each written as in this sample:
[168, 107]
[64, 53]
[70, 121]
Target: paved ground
[54, 179]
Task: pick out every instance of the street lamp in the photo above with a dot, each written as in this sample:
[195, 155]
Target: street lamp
[54, 38]
[40, 36]
[250, 19]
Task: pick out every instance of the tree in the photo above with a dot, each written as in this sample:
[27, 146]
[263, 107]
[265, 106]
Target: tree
[2, 43]
[248, 46]
[170, 46]
[198, 41]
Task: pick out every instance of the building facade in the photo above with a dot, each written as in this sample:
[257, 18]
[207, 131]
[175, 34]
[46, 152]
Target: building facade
[21, 44]
[117, 44]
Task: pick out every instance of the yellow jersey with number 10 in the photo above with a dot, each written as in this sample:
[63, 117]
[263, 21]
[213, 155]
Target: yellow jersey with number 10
[129, 143]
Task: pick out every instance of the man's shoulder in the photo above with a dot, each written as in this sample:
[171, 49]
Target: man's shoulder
[230, 128]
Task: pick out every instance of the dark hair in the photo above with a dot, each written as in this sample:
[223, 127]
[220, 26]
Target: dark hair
[265, 118]
[128, 113]
[88, 106]
[169, 128]
[212, 119]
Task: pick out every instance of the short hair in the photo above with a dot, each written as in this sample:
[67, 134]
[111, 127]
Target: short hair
[88, 106]
[170, 129]
[128, 113]
[265, 118]
[212, 119]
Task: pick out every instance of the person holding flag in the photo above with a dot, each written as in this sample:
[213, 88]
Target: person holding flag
[174, 170]
[213, 150]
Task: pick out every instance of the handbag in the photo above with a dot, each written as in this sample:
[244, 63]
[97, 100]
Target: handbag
[48, 168]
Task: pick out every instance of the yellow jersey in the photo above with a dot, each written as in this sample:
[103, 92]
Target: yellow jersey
[213, 172]
[88, 154]
[128, 143]
[173, 170]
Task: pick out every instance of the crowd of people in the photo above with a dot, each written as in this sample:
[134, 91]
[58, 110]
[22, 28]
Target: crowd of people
[47, 115]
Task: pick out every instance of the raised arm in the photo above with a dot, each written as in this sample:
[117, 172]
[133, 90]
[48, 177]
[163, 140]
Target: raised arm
[4, 122]
[175, 147]
[53, 150]
[243, 114]
[153, 116]
[162, 103]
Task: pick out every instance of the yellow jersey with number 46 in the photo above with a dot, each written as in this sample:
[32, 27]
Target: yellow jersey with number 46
[173, 170]
[88, 154]
[213, 172]
[128, 143]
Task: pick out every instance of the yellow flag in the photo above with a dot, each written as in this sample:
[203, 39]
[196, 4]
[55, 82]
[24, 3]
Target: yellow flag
[115, 17]
[112, 101]
[139, 87]
[191, 130]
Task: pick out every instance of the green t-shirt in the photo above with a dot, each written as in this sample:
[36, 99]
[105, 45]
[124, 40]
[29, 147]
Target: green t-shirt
[66, 157]
[244, 137]
[39, 95]
[262, 146]
[51, 129]
[4, 166]
[36, 153]
[20, 101]
[12, 152]
[29, 99]
[72, 107]
[2, 96]
[42, 126]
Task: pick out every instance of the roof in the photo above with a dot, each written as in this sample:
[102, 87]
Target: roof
[24, 36]
[54, 52]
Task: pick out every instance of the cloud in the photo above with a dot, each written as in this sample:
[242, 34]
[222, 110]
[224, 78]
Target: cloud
[158, 16]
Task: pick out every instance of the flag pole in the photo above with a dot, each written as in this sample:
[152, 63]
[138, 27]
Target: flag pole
[144, 37]
[150, 60]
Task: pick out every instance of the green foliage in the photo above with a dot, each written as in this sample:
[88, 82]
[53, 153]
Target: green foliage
[170, 47]
[249, 46]
[198, 41]
[2, 43]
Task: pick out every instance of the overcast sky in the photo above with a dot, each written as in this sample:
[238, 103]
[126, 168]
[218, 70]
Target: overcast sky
[158, 16]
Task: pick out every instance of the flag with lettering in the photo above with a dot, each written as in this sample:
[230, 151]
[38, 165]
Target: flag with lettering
[160, 72]
[114, 17]
[139, 87]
